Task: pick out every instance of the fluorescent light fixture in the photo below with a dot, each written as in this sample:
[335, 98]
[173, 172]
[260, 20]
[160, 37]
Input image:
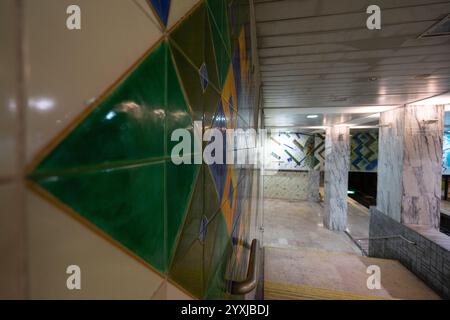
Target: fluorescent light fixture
[312, 116]
[350, 192]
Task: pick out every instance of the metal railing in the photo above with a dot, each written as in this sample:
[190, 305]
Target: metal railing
[387, 237]
[250, 282]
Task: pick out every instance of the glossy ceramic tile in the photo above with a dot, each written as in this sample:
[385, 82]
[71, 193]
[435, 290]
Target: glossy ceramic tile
[179, 8]
[112, 167]
[190, 34]
[57, 240]
[174, 293]
[180, 184]
[212, 201]
[13, 269]
[186, 268]
[192, 50]
[168, 291]
[68, 69]
[216, 248]
[201, 232]
[8, 87]
[161, 8]
[219, 30]
[125, 203]
[217, 286]
[127, 126]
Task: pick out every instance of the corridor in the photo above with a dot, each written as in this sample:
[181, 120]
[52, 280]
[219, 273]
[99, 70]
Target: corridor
[224, 149]
[304, 260]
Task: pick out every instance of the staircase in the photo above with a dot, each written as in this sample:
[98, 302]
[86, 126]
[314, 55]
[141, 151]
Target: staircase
[310, 274]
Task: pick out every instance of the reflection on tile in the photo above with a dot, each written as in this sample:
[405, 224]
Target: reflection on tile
[112, 166]
[217, 247]
[70, 68]
[181, 203]
[128, 125]
[8, 106]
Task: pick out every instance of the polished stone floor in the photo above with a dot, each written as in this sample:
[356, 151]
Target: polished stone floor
[298, 224]
[304, 260]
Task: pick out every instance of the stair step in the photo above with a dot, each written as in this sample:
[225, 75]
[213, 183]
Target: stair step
[318, 274]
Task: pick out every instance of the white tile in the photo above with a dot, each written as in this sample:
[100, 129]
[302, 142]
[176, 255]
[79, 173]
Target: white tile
[12, 243]
[57, 240]
[161, 293]
[8, 88]
[68, 68]
[173, 293]
[178, 9]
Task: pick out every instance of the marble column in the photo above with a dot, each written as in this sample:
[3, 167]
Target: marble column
[313, 186]
[409, 164]
[337, 165]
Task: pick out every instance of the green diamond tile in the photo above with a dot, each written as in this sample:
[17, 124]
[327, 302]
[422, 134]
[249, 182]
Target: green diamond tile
[129, 130]
[217, 245]
[178, 113]
[192, 47]
[189, 36]
[127, 204]
[218, 282]
[180, 181]
[187, 265]
[211, 202]
[127, 125]
[220, 35]
[203, 103]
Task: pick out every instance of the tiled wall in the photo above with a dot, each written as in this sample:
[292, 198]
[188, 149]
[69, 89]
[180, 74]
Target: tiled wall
[294, 151]
[287, 185]
[364, 151]
[300, 151]
[428, 257]
[102, 190]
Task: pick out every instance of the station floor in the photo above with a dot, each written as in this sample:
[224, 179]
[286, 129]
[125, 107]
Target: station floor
[304, 260]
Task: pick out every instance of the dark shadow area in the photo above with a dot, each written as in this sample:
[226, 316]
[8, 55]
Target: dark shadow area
[362, 187]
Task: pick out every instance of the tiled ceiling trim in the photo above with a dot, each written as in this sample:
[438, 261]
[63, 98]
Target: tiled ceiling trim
[112, 167]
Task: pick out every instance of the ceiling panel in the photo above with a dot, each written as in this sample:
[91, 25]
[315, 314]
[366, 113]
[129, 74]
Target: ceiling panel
[319, 54]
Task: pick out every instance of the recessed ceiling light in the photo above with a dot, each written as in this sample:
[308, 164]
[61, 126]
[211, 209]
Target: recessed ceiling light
[312, 116]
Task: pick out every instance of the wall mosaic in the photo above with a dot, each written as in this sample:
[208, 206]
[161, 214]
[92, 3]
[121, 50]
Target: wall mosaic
[300, 151]
[112, 167]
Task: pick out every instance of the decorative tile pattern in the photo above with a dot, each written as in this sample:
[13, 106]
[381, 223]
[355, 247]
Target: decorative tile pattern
[112, 167]
[364, 151]
[162, 8]
[404, 193]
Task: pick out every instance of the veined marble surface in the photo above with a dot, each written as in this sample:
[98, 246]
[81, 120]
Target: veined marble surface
[422, 171]
[409, 164]
[390, 163]
[337, 165]
[313, 186]
[287, 185]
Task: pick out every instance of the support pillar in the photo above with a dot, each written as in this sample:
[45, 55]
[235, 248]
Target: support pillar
[409, 164]
[313, 185]
[337, 165]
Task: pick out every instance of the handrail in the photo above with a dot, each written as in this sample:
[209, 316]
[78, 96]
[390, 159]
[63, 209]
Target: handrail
[250, 282]
[387, 237]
